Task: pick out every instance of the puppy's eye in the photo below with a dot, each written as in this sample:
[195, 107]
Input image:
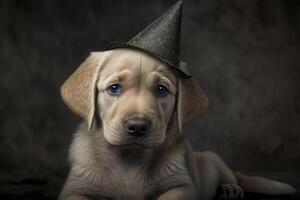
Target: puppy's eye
[161, 90]
[114, 89]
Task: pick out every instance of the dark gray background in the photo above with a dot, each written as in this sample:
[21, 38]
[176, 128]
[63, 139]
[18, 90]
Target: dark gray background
[245, 55]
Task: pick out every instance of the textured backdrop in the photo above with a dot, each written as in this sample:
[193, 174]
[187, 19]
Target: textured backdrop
[245, 55]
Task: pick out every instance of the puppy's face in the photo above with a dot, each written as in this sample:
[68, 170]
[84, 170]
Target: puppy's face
[136, 98]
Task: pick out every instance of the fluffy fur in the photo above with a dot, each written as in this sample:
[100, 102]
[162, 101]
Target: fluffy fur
[107, 163]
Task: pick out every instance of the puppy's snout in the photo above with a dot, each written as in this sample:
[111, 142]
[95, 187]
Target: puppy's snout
[137, 126]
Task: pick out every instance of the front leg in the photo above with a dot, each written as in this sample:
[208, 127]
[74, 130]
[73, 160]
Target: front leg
[82, 197]
[180, 193]
[231, 191]
[77, 188]
[73, 197]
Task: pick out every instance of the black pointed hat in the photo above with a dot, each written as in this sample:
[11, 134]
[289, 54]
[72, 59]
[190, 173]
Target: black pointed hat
[160, 39]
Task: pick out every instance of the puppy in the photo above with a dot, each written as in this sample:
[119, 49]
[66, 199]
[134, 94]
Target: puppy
[131, 145]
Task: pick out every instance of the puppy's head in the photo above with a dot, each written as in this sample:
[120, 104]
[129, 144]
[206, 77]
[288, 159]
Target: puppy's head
[133, 96]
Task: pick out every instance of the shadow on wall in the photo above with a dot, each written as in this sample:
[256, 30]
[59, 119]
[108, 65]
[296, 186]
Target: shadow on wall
[245, 55]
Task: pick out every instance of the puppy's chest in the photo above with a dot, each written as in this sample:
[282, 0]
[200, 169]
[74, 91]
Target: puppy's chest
[138, 183]
[130, 180]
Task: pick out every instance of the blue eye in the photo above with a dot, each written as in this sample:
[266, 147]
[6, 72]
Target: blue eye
[114, 89]
[161, 90]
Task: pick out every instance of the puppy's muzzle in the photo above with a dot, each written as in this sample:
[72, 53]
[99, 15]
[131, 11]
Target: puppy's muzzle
[137, 126]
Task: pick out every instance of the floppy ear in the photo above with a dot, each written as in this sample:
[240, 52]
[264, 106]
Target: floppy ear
[191, 101]
[78, 91]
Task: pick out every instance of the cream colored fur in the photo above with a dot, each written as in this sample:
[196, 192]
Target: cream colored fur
[108, 164]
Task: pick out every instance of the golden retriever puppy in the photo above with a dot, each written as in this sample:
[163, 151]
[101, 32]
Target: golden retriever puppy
[131, 145]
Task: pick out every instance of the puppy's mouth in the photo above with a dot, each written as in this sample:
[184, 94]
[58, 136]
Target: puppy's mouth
[134, 145]
[119, 136]
[137, 142]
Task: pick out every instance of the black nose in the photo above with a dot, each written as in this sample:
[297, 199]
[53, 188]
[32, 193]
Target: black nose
[137, 126]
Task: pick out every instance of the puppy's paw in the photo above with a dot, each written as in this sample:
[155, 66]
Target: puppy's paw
[231, 191]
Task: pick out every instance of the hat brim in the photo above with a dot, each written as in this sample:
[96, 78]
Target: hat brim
[176, 69]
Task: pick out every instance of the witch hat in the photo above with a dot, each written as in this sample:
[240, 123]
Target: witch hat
[160, 39]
